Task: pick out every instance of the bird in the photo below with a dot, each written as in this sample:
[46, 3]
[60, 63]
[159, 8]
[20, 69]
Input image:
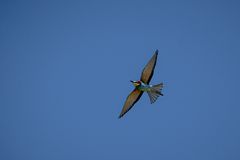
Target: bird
[142, 85]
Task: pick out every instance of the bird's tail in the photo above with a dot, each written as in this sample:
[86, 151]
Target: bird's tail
[155, 92]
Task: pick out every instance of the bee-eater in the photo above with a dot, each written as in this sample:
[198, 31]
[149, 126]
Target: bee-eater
[142, 85]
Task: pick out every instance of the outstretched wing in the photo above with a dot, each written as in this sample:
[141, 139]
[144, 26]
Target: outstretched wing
[147, 72]
[132, 98]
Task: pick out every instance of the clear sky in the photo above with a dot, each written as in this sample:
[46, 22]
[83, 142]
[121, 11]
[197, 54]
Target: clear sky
[65, 68]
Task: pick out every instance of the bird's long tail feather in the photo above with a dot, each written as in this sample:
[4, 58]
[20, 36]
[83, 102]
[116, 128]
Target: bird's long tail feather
[155, 92]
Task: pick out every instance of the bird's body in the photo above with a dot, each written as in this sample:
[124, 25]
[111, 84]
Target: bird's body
[154, 91]
[141, 86]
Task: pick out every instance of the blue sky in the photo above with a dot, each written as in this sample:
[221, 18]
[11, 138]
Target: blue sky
[65, 68]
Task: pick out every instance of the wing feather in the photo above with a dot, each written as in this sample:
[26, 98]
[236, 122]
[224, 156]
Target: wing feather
[148, 70]
[132, 98]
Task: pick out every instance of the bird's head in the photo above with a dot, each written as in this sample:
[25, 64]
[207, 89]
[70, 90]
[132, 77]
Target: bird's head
[136, 83]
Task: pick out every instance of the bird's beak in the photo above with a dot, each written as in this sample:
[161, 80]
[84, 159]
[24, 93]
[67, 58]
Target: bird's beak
[131, 81]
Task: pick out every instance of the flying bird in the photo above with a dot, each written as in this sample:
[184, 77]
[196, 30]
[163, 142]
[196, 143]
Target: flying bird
[142, 85]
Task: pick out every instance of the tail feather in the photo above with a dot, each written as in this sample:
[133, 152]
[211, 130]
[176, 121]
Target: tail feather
[155, 92]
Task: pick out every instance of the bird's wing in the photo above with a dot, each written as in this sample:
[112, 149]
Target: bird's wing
[132, 98]
[147, 72]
